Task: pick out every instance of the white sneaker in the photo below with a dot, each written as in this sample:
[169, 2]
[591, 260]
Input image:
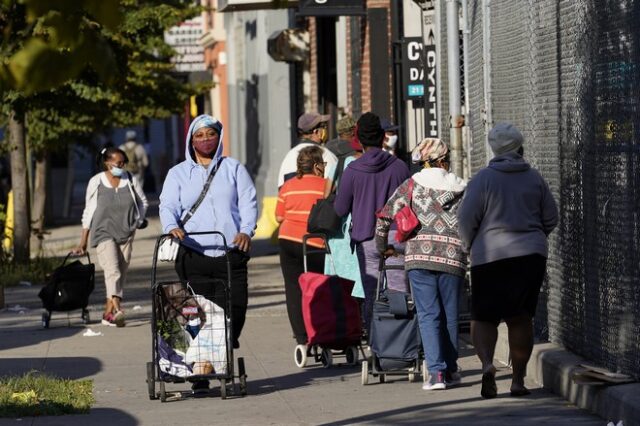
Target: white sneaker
[108, 320]
[435, 382]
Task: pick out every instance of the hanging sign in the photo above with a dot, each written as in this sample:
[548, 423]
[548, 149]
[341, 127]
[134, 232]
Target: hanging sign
[331, 7]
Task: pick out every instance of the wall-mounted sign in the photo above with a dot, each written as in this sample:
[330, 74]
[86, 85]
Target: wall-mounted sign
[413, 82]
[419, 77]
[331, 7]
[238, 5]
[431, 96]
[184, 40]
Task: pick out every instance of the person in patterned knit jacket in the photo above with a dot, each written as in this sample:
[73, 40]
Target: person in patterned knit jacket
[434, 256]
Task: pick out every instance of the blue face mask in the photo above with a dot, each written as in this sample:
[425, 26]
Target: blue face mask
[116, 171]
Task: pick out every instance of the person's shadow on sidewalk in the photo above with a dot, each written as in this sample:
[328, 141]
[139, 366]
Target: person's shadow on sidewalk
[12, 337]
[305, 377]
[63, 367]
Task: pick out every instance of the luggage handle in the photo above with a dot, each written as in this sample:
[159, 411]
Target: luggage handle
[86, 252]
[382, 276]
[325, 250]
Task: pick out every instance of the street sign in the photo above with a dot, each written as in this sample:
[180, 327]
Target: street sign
[431, 98]
[413, 82]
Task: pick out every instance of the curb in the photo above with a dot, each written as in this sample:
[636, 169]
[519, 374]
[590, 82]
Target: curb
[551, 366]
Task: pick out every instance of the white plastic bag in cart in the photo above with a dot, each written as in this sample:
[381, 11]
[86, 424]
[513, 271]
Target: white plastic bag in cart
[209, 344]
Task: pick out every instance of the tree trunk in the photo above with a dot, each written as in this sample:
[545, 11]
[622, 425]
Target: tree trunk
[20, 188]
[40, 194]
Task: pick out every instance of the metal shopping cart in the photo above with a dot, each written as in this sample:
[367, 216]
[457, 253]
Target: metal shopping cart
[191, 335]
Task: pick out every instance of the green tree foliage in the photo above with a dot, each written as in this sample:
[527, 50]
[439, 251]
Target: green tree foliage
[141, 83]
[59, 36]
[75, 68]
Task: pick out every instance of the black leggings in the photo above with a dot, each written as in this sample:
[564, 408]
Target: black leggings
[208, 276]
[291, 262]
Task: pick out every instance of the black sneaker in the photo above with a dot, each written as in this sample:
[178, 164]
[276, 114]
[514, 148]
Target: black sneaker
[200, 387]
[489, 389]
[452, 378]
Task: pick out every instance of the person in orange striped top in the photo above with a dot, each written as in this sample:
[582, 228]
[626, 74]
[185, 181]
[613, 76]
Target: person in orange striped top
[295, 199]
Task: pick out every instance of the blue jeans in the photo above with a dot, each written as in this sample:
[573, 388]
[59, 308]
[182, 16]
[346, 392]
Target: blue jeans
[436, 298]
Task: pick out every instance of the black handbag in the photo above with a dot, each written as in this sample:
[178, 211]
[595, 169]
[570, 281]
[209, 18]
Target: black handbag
[69, 286]
[322, 217]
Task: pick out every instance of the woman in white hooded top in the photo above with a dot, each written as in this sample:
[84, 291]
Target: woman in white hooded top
[435, 260]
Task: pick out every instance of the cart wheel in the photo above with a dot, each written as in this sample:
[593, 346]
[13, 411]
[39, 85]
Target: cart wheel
[163, 392]
[412, 377]
[425, 371]
[151, 381]
[326, 357]
[364, 376]
[45, 319]
[382, 378]
[223, 388]
[352, 355]
[300, 356]
[86, 317]
[242, 375]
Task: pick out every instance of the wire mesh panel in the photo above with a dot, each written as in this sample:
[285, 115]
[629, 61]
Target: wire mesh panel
[476, 118]
[567, 73]
[603, 141]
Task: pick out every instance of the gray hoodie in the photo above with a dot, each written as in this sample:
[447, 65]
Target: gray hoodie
[507, 211]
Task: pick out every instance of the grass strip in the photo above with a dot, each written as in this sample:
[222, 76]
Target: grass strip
[35, 271]
[37, 394]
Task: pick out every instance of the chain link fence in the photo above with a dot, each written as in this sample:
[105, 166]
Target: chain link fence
[567, 73]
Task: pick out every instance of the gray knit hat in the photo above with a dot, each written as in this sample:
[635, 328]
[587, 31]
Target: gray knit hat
[505, 137]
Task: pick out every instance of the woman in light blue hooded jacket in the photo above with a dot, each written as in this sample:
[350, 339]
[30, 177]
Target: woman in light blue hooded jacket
[229, 206]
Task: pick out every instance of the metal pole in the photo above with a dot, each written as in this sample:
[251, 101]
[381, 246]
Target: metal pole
[466, 46]
[453, 68]
[486, 56]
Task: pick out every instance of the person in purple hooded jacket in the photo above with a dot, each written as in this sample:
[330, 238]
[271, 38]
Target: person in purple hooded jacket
[365, 186]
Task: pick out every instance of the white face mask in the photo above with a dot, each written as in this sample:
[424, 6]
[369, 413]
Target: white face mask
[116, 171]
[391, 141]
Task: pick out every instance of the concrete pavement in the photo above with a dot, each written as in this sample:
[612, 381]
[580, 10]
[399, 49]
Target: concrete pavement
[279, 392]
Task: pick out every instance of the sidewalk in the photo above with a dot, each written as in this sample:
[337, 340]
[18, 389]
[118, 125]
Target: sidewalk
[279, 392]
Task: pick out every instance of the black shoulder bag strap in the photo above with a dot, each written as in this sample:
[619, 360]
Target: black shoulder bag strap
[338, 174]
[205, 189]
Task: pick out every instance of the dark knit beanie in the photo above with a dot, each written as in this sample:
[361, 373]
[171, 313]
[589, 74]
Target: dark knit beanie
[370, 131]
